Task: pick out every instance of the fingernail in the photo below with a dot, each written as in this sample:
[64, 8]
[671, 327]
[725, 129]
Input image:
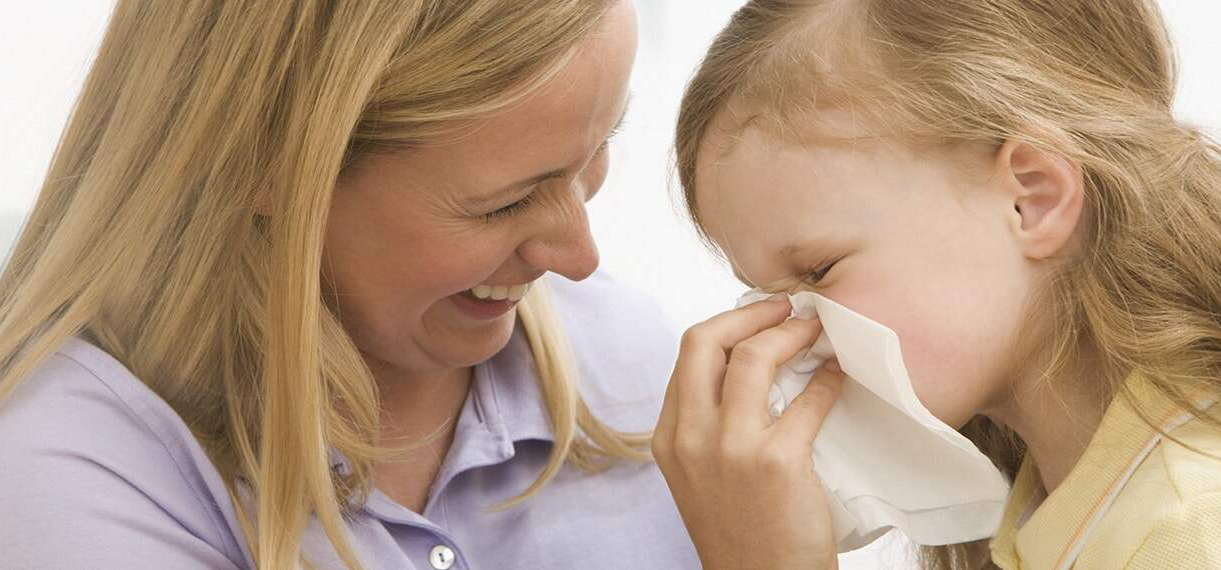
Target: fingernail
[778, 297]
[808, 313]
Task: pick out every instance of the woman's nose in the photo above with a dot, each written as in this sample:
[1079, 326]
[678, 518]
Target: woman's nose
[564, 245]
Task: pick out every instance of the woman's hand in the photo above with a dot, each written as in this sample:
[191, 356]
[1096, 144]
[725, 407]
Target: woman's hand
[745, 485]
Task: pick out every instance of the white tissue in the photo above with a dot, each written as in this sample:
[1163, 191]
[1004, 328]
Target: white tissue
[883, 458]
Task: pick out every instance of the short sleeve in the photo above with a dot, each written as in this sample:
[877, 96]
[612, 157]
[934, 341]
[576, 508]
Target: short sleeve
[1187, 539]
[87, 482]
[67, 512]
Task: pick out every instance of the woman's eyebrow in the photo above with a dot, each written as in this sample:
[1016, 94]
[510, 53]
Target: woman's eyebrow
[517, 187]
[499, 195]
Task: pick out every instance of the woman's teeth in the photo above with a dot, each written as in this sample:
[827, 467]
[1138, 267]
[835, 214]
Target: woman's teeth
[513, 293]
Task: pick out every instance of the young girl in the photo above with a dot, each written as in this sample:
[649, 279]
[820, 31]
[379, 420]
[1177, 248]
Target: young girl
[1002, 183]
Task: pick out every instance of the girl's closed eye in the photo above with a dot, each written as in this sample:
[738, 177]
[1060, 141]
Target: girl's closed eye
[818, 274]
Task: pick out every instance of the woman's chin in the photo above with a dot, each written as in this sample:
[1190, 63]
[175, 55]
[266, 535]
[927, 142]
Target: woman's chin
[466, 345]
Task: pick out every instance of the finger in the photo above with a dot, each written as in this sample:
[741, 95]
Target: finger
[729, 328]
[663, 432]
[752, 366]
[702, 356]
[800, 423]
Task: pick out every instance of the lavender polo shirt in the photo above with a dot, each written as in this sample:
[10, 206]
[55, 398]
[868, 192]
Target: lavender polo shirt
[96, 471]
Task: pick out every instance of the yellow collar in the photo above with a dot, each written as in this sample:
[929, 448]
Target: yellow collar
[1039, 531]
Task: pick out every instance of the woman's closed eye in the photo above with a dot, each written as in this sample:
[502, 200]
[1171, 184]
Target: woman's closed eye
[512, 209]
[522, 205]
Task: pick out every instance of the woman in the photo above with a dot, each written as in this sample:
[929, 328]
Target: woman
[267, 306]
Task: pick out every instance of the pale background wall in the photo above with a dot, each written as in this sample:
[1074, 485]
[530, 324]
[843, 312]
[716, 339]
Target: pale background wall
[46, 47]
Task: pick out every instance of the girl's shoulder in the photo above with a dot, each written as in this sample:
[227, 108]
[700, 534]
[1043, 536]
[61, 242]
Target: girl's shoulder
[1193, 461]
[105, 473]
[1169, 514]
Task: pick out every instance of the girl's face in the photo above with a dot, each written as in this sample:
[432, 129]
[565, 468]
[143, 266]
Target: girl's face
[415, 239]
[908, 240]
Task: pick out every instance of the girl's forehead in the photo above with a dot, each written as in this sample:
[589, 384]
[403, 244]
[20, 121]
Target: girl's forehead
[764, 193]
[759, 193]
[754, 165]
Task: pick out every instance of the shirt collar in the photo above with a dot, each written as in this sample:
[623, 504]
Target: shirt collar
[504, 405]
[506, 394]
[1037, 530]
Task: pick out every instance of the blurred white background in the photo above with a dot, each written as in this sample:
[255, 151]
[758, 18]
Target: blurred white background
[46, 48]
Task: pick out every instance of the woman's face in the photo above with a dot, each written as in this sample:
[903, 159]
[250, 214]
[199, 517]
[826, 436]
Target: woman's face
[419, 240]
[901, 238]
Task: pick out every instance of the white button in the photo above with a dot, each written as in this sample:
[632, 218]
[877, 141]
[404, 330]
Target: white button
[441, 557]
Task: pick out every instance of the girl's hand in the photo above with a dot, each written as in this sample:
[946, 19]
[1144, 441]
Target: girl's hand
[745, 486]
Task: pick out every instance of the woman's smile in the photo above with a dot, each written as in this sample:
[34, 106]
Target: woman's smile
[487, 302]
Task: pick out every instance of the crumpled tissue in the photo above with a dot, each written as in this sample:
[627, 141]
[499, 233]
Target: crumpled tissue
[884, 460]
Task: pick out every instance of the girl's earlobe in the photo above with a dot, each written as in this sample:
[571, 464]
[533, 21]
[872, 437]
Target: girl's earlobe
[1048, 194]
[262, 209]
[264, 203]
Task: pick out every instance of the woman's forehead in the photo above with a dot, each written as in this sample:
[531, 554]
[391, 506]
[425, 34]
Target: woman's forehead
[552, 131]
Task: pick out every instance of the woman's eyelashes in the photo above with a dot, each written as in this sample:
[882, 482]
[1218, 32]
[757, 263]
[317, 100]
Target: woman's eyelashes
[512, 209]
[522, 205]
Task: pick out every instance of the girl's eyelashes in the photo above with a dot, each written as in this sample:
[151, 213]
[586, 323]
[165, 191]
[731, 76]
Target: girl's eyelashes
[815, 275]
[512, 209]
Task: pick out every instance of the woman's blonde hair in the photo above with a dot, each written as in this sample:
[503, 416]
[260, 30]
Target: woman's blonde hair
[145, 237]
[1090, 80]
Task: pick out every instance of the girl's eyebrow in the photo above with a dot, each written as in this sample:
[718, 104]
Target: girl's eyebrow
[742, 278]
[789, 252]
[795, 249]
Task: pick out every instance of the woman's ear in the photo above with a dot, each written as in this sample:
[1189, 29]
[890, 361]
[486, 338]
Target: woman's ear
[1047, 193]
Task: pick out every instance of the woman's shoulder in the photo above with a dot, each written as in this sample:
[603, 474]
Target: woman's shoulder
[105, 473]
[624, 343]
[603, 297]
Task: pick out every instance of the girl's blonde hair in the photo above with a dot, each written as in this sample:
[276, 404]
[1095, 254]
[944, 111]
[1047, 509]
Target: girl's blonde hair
[1091, 80]
[146, 236]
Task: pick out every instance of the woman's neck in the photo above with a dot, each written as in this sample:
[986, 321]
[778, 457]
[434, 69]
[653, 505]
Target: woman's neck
[417, 410]
[416, 405]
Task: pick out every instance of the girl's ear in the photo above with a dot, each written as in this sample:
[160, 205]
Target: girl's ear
[1047, 192]
[263, 204]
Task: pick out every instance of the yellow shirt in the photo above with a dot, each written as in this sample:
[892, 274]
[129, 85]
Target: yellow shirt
[1166, 515]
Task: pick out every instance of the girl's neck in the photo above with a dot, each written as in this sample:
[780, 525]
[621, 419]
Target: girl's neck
[1056, 419]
